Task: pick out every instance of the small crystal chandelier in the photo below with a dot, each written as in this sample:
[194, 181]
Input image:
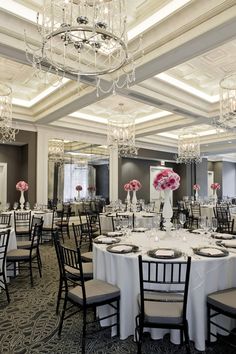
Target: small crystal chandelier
[56, 151]
[227, 118]
[188, 148]
[7, 132]
[83, 37]
[121, 133]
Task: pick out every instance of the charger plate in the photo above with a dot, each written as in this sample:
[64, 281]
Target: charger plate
[106, 240]
[122, 248]
[164, 253]
[212, 252]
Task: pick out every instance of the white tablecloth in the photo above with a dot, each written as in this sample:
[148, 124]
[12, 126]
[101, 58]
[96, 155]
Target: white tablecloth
[47, 216]
[207, 275]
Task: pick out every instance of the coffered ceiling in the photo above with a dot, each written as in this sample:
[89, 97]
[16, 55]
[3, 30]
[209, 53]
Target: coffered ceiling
[188, 46]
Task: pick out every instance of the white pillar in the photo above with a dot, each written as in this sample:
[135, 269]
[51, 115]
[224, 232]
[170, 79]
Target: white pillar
[42, 167]
[113, 175]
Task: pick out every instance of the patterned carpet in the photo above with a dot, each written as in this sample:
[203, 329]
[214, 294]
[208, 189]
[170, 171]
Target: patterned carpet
[29, 324]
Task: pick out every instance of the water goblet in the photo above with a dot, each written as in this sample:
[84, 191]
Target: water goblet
[15, 205]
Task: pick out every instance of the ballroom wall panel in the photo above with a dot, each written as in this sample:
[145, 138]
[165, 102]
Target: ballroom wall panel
[21, 165]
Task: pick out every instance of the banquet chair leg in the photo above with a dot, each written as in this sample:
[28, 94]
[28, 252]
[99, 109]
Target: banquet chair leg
[118, 318]
[59, 296]
[62, 317]
[39, 265]
[31, 273]
[186, 335]
[181, 337]
[6, 288]
[208, 325]
[84, 330]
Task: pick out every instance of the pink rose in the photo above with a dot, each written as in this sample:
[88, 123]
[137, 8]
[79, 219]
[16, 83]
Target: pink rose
[22, 186]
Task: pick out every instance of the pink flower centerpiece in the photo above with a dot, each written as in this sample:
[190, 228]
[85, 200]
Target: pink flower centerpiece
[166, 180]
[215, 186]
[22, 186]
[196, 187]
[128, 188]
[91, 188]
[135, 185]
[78, 188]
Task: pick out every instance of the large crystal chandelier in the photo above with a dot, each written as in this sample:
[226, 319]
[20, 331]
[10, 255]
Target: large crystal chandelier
[56, 151]
[121, 133]
[7, 132]
[227, 118]
[188, 148]
[83, 37]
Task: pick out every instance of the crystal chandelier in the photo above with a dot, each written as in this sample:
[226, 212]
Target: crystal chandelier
[188, 148]
[7, 132]
[227, 118]
[83, 37]
[121, 133]
[56, 151]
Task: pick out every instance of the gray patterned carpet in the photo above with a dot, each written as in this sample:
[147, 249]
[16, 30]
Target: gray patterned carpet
[29, 324]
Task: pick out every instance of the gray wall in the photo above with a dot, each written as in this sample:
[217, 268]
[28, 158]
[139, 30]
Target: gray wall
[217, 168]
[229, 179]
[201, 177]
[102, 180]
[21, 165]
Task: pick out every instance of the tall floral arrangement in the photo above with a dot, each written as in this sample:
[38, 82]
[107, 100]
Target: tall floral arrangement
[215, 186]
[79, 188]
[22, 186]
[128, 187]
[135, 185]
[91, 188]
[166, 180]
[196, 187]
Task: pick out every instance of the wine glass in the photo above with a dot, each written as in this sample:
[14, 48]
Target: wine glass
[182, 219]
[15, 205]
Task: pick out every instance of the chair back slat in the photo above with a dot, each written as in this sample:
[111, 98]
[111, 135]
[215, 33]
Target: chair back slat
[5, 219]
[4, 240]
[171, 277]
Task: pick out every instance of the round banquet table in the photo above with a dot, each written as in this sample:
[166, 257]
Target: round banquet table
[207, 275]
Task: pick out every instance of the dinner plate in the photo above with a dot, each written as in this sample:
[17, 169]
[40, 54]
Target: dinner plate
[113, 233]
[139, 229]
[106, 240]
[164, 253]
[222, 236]
[122, 248]
[211, 252]
[227, 243]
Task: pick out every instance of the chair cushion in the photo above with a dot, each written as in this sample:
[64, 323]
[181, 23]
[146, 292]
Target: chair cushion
[23, 244]
[96, 291]
[19, 254]
[224, 300]
[22, 230]
[162, 307]
[87, 270]
[87, 256]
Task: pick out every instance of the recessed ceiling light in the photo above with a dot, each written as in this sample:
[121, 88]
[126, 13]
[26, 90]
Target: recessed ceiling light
[229, 142]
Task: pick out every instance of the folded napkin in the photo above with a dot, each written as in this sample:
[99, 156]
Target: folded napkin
[211, 251]
[140, 229]
[115, 233]
[105, 239]
[123, 248]
[222, 236]
[165, 253]
[229, 243]
[197, 231]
